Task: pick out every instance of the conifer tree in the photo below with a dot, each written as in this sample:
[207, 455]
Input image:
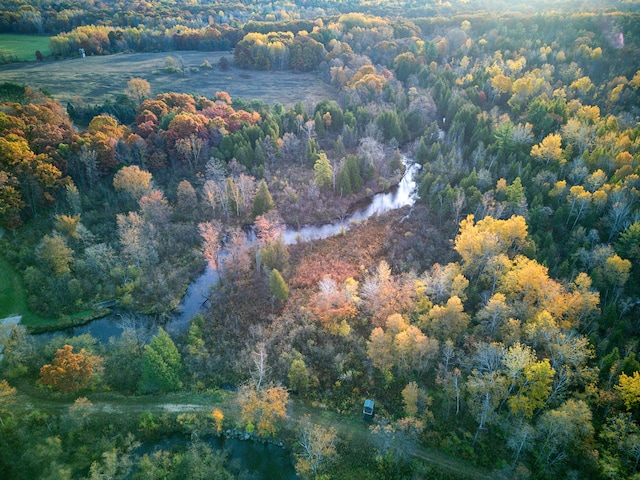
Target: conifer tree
[262, 202]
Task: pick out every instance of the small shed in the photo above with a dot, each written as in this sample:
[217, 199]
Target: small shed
[367, 411]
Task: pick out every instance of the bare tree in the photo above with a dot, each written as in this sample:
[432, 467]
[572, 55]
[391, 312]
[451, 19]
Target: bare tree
[259, 357]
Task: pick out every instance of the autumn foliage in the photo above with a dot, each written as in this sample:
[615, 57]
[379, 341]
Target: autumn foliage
[70, 372]
[263, 409]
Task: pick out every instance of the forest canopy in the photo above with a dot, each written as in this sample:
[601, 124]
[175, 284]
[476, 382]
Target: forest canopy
[493, 319]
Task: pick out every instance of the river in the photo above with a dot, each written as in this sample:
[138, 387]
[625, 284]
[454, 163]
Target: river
[197, 293]
[261, 460]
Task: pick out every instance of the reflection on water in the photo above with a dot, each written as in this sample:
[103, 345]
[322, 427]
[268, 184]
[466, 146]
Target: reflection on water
[399, 196]
[258, 460]
[197, 293]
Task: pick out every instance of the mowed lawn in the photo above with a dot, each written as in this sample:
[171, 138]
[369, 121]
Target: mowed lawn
[24, 46]
[96, 78]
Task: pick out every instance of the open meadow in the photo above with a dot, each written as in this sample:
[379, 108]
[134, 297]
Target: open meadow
[24, 46]
[94, 79]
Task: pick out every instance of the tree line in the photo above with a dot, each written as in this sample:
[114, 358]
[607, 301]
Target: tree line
[495, 320]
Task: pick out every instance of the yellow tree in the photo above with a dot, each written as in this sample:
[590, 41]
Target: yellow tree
[635, 81]
[138, 89]
[448, 321]
[107, 125]
[262, 410]
[414, 349]
[583, 85]
[10, 199]
[528, 289]
[218, 418]
[534, 388]
[416, 401]
[70, 372]
[502, 83]
[478, 242]
[629, 390]
[549, 150]
[380, 349]
[54, 253]
[68, 224]
[132, 181]
[581, 303]
[7, 398]
[317, 447]
[400, 345]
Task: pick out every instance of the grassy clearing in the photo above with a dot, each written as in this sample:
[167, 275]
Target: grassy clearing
[24, 46]
[97, 78]
[13, 298]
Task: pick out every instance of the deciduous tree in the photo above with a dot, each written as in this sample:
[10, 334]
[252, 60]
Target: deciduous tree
[317, 447]
[138, 89]
[71, 372]
[263, 409]
[628, 388]
[54, 253]
[132, 181]
[210, 233]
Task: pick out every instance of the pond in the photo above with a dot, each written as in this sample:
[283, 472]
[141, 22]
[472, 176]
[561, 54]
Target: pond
[265, 461]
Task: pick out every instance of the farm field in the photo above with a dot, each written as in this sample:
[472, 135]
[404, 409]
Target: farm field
[24, 46]
[94, 79]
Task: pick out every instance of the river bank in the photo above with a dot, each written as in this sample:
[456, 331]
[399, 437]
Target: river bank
[197, 293]
[269, 459]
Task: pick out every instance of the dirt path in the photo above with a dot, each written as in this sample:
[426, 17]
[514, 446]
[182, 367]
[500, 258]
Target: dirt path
[351, 429]
[354, 429]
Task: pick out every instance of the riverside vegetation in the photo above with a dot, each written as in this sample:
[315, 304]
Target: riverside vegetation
[494, 321]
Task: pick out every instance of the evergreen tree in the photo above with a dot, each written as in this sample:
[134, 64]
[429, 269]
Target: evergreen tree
[355, 174]
[344, 182]
[161, 365]
[278, 286]
[262, 202]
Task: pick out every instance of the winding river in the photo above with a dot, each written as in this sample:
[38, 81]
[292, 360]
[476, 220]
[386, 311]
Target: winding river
[262, 460]
[197, 293]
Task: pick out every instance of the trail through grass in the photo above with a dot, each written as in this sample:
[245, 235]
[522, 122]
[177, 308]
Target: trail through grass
[351, 428]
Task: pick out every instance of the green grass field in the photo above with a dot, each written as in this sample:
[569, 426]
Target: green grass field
[24, 46]
[13, 299]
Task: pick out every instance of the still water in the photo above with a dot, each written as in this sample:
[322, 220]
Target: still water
[197, 293]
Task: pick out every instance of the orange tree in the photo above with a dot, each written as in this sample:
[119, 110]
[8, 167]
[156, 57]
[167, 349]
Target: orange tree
[70, 372]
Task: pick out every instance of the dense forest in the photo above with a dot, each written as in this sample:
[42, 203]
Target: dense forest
[495, 320]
